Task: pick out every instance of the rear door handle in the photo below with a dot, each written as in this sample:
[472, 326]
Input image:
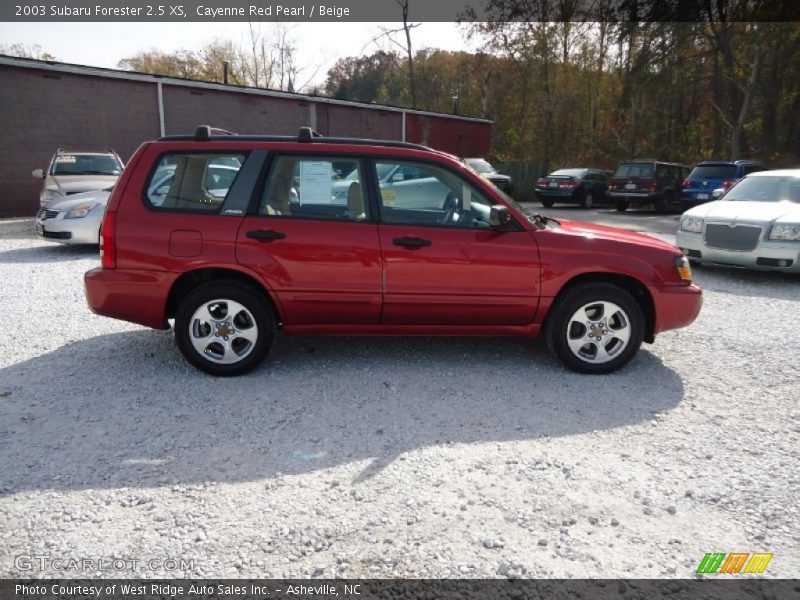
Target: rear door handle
[411, 242]
[265, 235]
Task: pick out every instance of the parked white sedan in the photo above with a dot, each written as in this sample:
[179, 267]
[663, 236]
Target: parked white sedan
[74, 221]
[756, 224]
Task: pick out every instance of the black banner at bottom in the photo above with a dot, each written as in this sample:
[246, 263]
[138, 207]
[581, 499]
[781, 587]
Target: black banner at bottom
[380, 589]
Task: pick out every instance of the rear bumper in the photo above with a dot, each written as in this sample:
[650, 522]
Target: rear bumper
[135, 296]
[553, 194]
[694, 197]
[676, 305]
[635, 197]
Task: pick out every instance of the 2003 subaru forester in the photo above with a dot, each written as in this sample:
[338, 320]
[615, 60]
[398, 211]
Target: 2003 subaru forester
[321, 235]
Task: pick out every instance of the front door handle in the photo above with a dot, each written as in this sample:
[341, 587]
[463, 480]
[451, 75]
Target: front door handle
[265, 235]
[411, 242]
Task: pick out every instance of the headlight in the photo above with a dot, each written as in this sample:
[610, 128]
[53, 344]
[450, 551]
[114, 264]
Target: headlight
[81, 210]
[789, 233]
[693, 224]
[684, 270]
[50, 195]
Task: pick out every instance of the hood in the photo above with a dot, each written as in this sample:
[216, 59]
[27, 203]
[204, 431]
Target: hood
[750, 212]
[100, 196]
[615, 234]
[71, 184]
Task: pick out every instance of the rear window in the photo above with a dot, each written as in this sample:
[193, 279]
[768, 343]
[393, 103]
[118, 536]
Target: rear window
[193, 182]
[634, 170]
[568, 173]
[86, 164]
[713, 172]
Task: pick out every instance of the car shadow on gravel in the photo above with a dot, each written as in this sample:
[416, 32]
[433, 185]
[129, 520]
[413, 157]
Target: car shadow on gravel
[49, 253]
[125, 410]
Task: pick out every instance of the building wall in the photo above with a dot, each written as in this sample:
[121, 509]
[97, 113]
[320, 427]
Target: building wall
[42, 110]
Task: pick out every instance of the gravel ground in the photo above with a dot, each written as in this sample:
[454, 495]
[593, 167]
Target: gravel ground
[392, 457]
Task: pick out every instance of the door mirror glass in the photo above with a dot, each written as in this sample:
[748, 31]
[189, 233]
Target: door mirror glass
[398, 177]
[498, 216]
[38, 174]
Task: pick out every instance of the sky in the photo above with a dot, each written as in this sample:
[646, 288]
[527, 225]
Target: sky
[319, 45]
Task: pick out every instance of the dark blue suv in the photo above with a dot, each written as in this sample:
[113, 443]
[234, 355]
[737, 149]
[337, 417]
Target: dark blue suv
[712, 174]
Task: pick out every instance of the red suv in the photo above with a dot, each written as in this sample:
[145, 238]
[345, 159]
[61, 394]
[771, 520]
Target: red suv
[235, 237]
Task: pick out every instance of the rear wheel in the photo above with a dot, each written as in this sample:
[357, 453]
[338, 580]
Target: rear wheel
[224, 328]
[595, 328]
[547, 203]
[588, 200]
[665, 202]
[621, 205]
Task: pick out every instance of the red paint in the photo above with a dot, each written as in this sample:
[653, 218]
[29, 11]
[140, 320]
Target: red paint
[346, 277]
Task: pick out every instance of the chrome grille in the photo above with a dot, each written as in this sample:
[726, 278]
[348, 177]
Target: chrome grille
[737, 237]
[47, 213]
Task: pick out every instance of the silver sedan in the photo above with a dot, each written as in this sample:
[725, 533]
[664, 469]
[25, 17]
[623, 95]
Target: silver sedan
[756, 224]
[74, 221]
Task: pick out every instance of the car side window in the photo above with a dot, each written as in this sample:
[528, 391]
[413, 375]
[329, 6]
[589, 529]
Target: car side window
[313, 187]
[193, 182]
[436, 196]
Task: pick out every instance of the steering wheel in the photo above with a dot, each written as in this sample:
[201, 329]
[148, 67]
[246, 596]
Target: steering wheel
[452, 206]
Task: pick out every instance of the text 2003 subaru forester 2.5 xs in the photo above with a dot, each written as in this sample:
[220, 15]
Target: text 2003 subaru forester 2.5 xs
[237, 236]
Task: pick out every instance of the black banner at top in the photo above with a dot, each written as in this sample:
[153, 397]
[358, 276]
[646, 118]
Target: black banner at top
[391, 10]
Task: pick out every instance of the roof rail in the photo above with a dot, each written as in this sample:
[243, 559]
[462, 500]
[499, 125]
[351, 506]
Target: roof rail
[306, 134]
[203, 133]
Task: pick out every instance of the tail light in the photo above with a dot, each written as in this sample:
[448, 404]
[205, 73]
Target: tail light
[686, 183]
[654, 186]
[727, 184]
[108, 247]
[542, 183]
[568, 184]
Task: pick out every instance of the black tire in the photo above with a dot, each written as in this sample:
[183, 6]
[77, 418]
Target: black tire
[588, 200]
[547, 203]
[260, 316]
[621, 205]
[556, 332]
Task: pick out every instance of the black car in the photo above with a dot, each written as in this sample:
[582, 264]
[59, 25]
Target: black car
[487, 171]
[584, 186]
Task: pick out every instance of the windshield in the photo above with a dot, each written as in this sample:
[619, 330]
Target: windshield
[713, 172]
[765, 189]
[479, 165]
[634, 170]
[86, 164]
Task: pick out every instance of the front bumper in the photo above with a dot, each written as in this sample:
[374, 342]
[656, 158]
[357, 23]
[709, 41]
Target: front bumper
[767, 255]
[129, 295]
[676, 305]
[69, 231]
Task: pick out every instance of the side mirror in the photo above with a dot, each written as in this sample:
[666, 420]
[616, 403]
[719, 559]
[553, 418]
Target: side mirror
[38, 174]
[718, 193]
[398, 177]
[498, 216]
[163, 190]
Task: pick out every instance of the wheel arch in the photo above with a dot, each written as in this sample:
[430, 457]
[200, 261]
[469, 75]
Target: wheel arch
[191, 279]
[633, 286]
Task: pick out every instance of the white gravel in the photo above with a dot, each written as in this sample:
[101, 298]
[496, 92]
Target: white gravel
[393, 457]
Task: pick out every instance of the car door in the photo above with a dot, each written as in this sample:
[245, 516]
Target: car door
[322, 260]
[444, 265]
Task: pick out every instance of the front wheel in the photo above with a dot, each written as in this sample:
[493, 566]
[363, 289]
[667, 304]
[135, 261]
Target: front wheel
[595, 328]
[224, 328]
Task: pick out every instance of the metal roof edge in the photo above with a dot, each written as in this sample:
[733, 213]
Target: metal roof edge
[30, 63]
